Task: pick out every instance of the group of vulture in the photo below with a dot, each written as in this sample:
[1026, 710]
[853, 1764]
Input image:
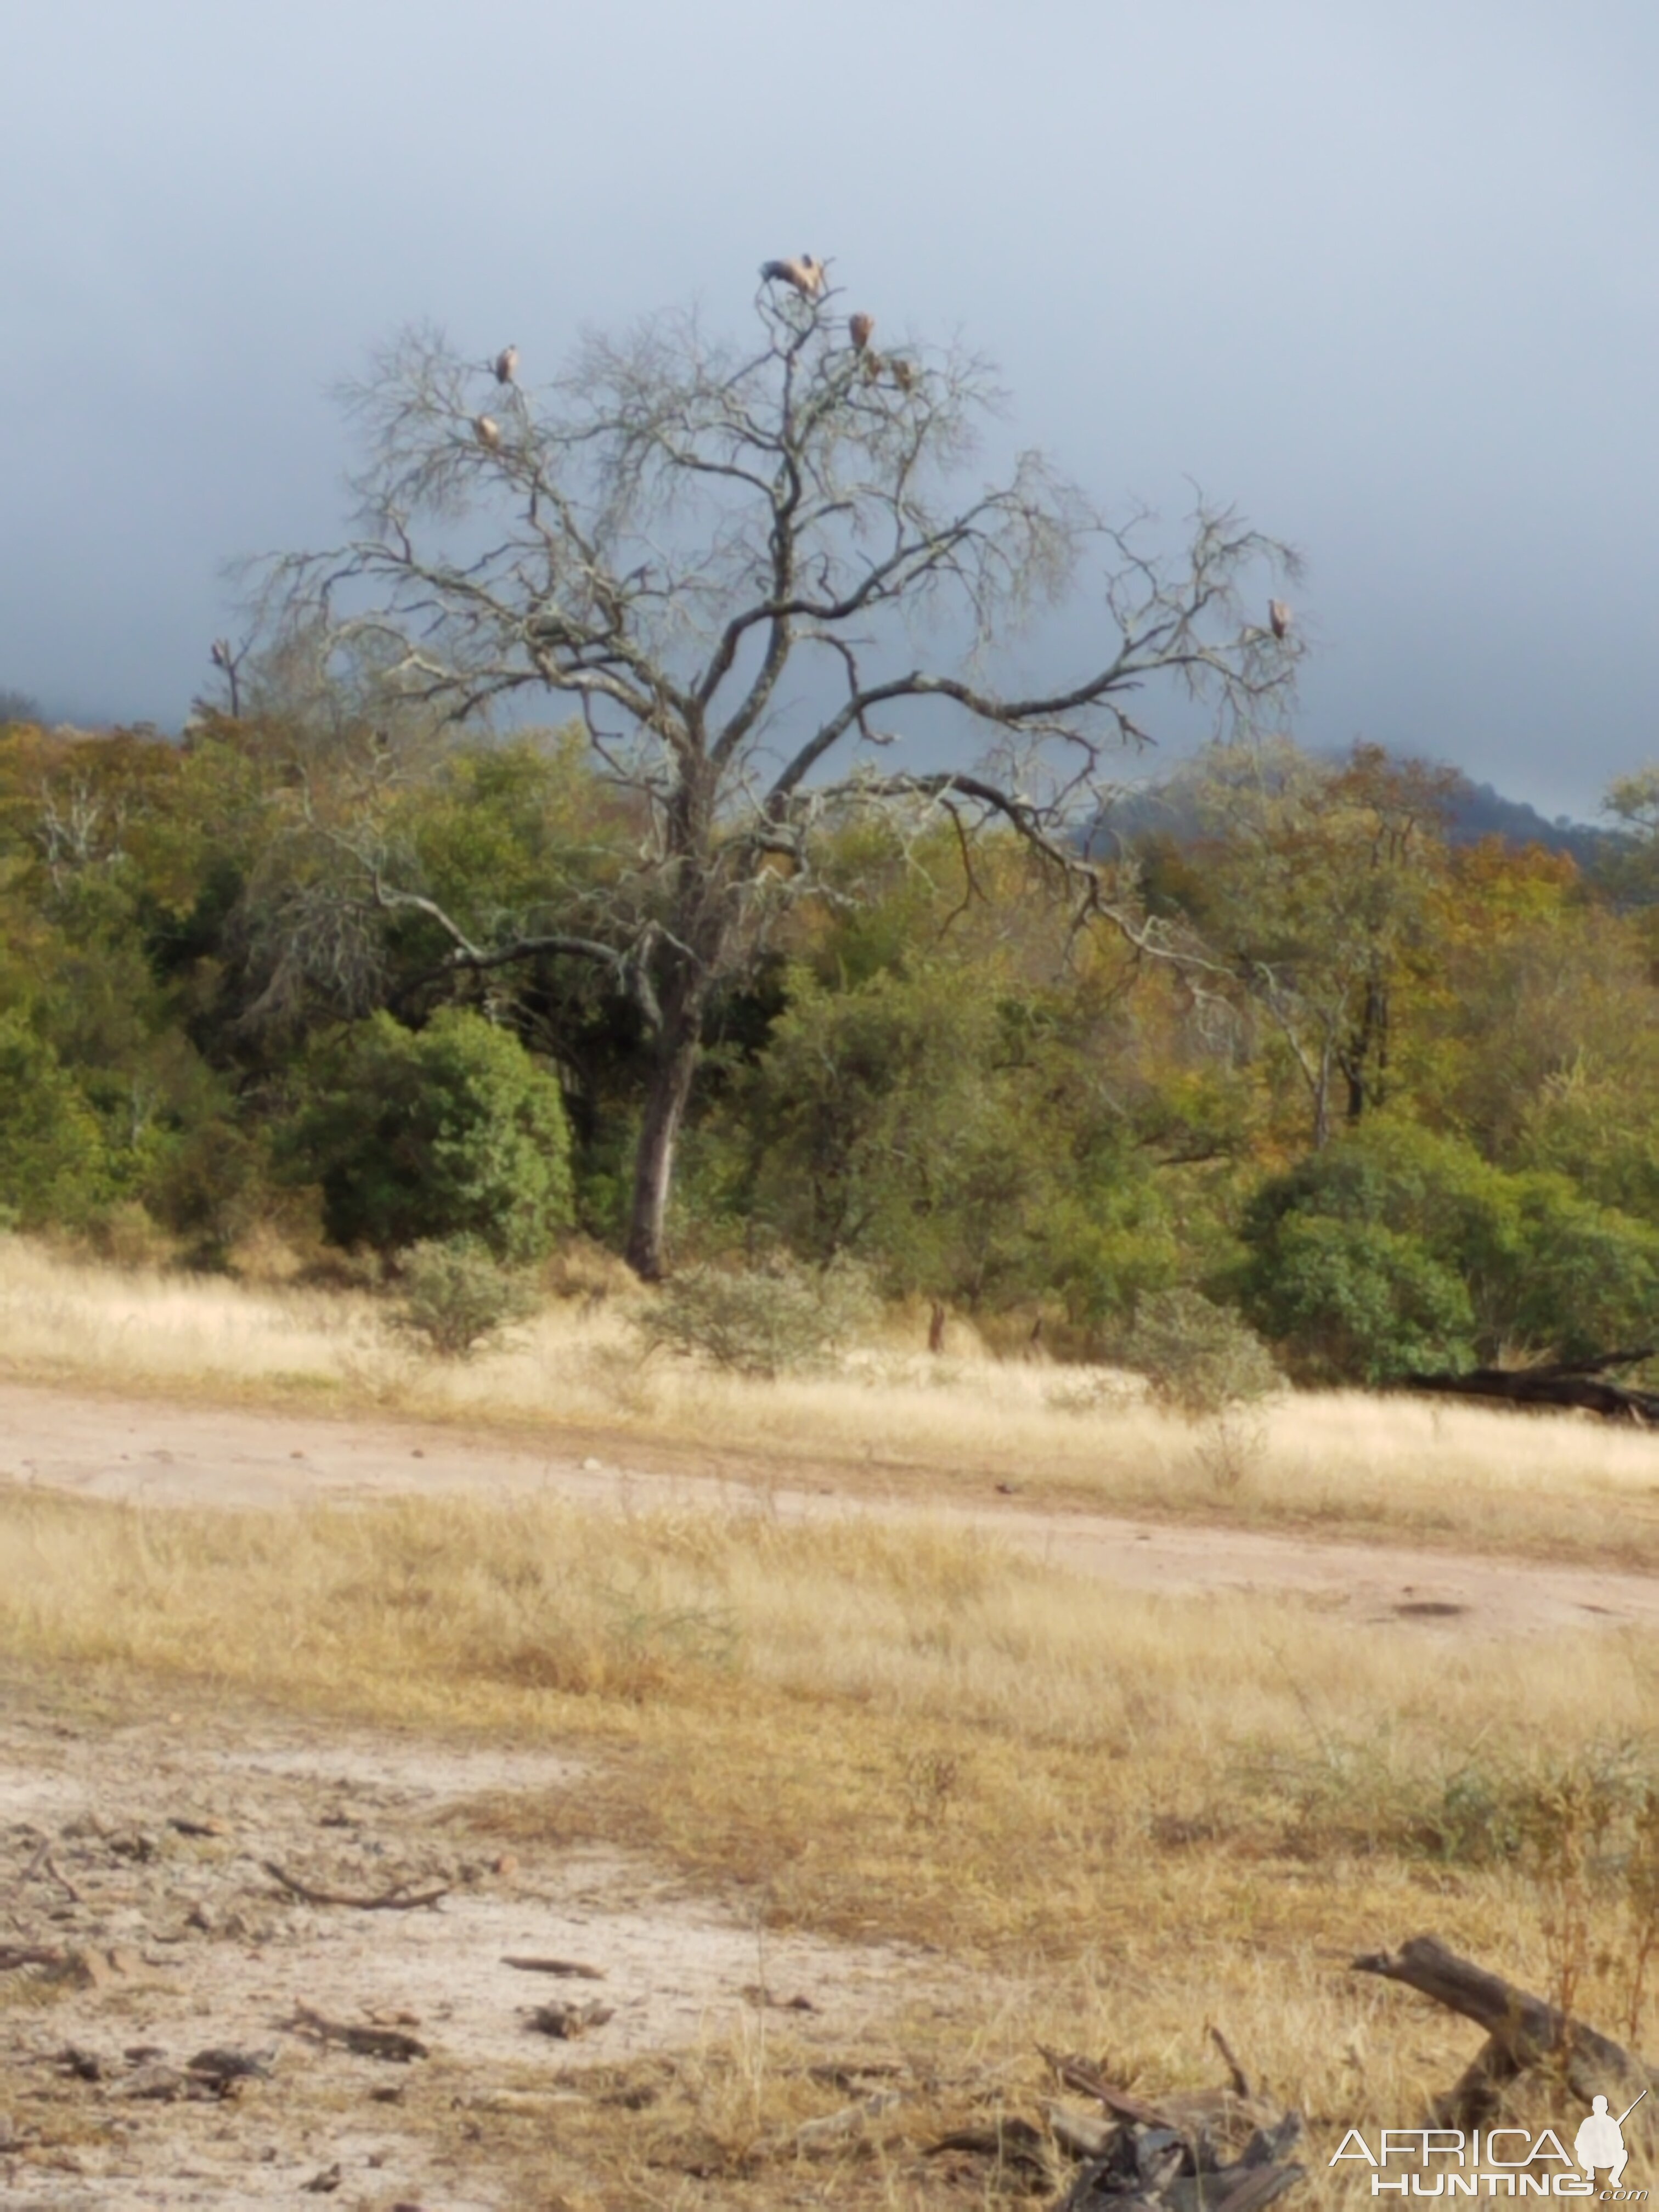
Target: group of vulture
[505, 369]
[805, 274]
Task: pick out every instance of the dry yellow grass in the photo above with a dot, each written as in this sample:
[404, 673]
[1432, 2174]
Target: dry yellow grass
[1558, 1486]
[873, 1707]
[1122, 1816]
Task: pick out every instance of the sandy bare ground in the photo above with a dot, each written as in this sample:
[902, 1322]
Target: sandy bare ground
[136, 1861]
[161, 1456]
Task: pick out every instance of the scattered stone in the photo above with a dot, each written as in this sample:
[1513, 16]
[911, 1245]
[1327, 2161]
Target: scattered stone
[225, 2063]
[158, 2084]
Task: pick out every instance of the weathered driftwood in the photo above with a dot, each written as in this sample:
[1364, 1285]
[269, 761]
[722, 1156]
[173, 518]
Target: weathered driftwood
[398, 1898]
[1522, 2031]
[1578, 1384]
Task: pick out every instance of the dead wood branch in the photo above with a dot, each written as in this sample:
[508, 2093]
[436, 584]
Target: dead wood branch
[43, 1863]
[14, 1955]
[1522, 2031]
[1191, 2151]
[569, 1967]
[1239, 2079]
[398, 1898]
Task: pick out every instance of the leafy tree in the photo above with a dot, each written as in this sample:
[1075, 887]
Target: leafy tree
[1534, 980]
[939, 1128]
[1310, 885]
[449, 1132]
[723, 559]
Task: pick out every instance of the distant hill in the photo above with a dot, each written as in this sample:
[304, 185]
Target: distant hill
[1477, 811]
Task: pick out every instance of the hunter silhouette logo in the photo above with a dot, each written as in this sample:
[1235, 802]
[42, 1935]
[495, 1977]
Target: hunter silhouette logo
[1600, 2142]
[1511, 2161]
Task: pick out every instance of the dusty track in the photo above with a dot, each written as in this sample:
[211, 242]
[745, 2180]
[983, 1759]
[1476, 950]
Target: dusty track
[162, 1456]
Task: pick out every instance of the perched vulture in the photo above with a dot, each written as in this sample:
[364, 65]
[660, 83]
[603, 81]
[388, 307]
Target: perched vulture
[506, 364]
[1278, 615]
[859, 328]
[221, 655]
[488, 432]
[805, 275]
[903, 375]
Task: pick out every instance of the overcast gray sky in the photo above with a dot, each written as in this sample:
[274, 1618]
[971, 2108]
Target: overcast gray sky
[1385, 272]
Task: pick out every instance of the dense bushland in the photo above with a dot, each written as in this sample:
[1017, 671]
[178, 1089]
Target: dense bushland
[1394, 1102]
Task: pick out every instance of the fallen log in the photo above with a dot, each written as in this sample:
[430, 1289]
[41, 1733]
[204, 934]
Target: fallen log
[1522, 2031]
[1577, 1385]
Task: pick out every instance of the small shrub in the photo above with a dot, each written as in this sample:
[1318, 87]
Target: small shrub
[782, 1318]
[455, 1298]
[1200, 1360]
[126, 1235]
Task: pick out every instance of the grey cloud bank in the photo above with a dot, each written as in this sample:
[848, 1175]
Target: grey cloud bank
[1386, 277]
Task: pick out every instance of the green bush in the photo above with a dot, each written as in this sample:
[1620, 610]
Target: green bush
[766, 1322]
[449, 1131]
[1354, 1302]
[1397, 1249]
[1198, 1358]
[55, 1168]
[456, 1298]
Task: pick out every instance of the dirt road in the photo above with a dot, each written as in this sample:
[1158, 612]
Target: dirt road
[163, 1456]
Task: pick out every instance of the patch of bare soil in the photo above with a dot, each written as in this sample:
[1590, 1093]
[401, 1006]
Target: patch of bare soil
[183, 2025]
[187, 1455]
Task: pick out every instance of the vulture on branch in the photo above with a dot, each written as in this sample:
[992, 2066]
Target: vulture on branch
[805, 275]
[903, 375]
[506, 364]
[1279, 615]
[859, 328]
[488, 432]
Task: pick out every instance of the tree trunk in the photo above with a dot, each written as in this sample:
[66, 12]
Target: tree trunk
[679, 1048]
[1322, 1097]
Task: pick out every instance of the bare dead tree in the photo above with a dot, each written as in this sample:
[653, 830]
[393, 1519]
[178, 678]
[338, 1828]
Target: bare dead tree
[746, 570]
[229, 660]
